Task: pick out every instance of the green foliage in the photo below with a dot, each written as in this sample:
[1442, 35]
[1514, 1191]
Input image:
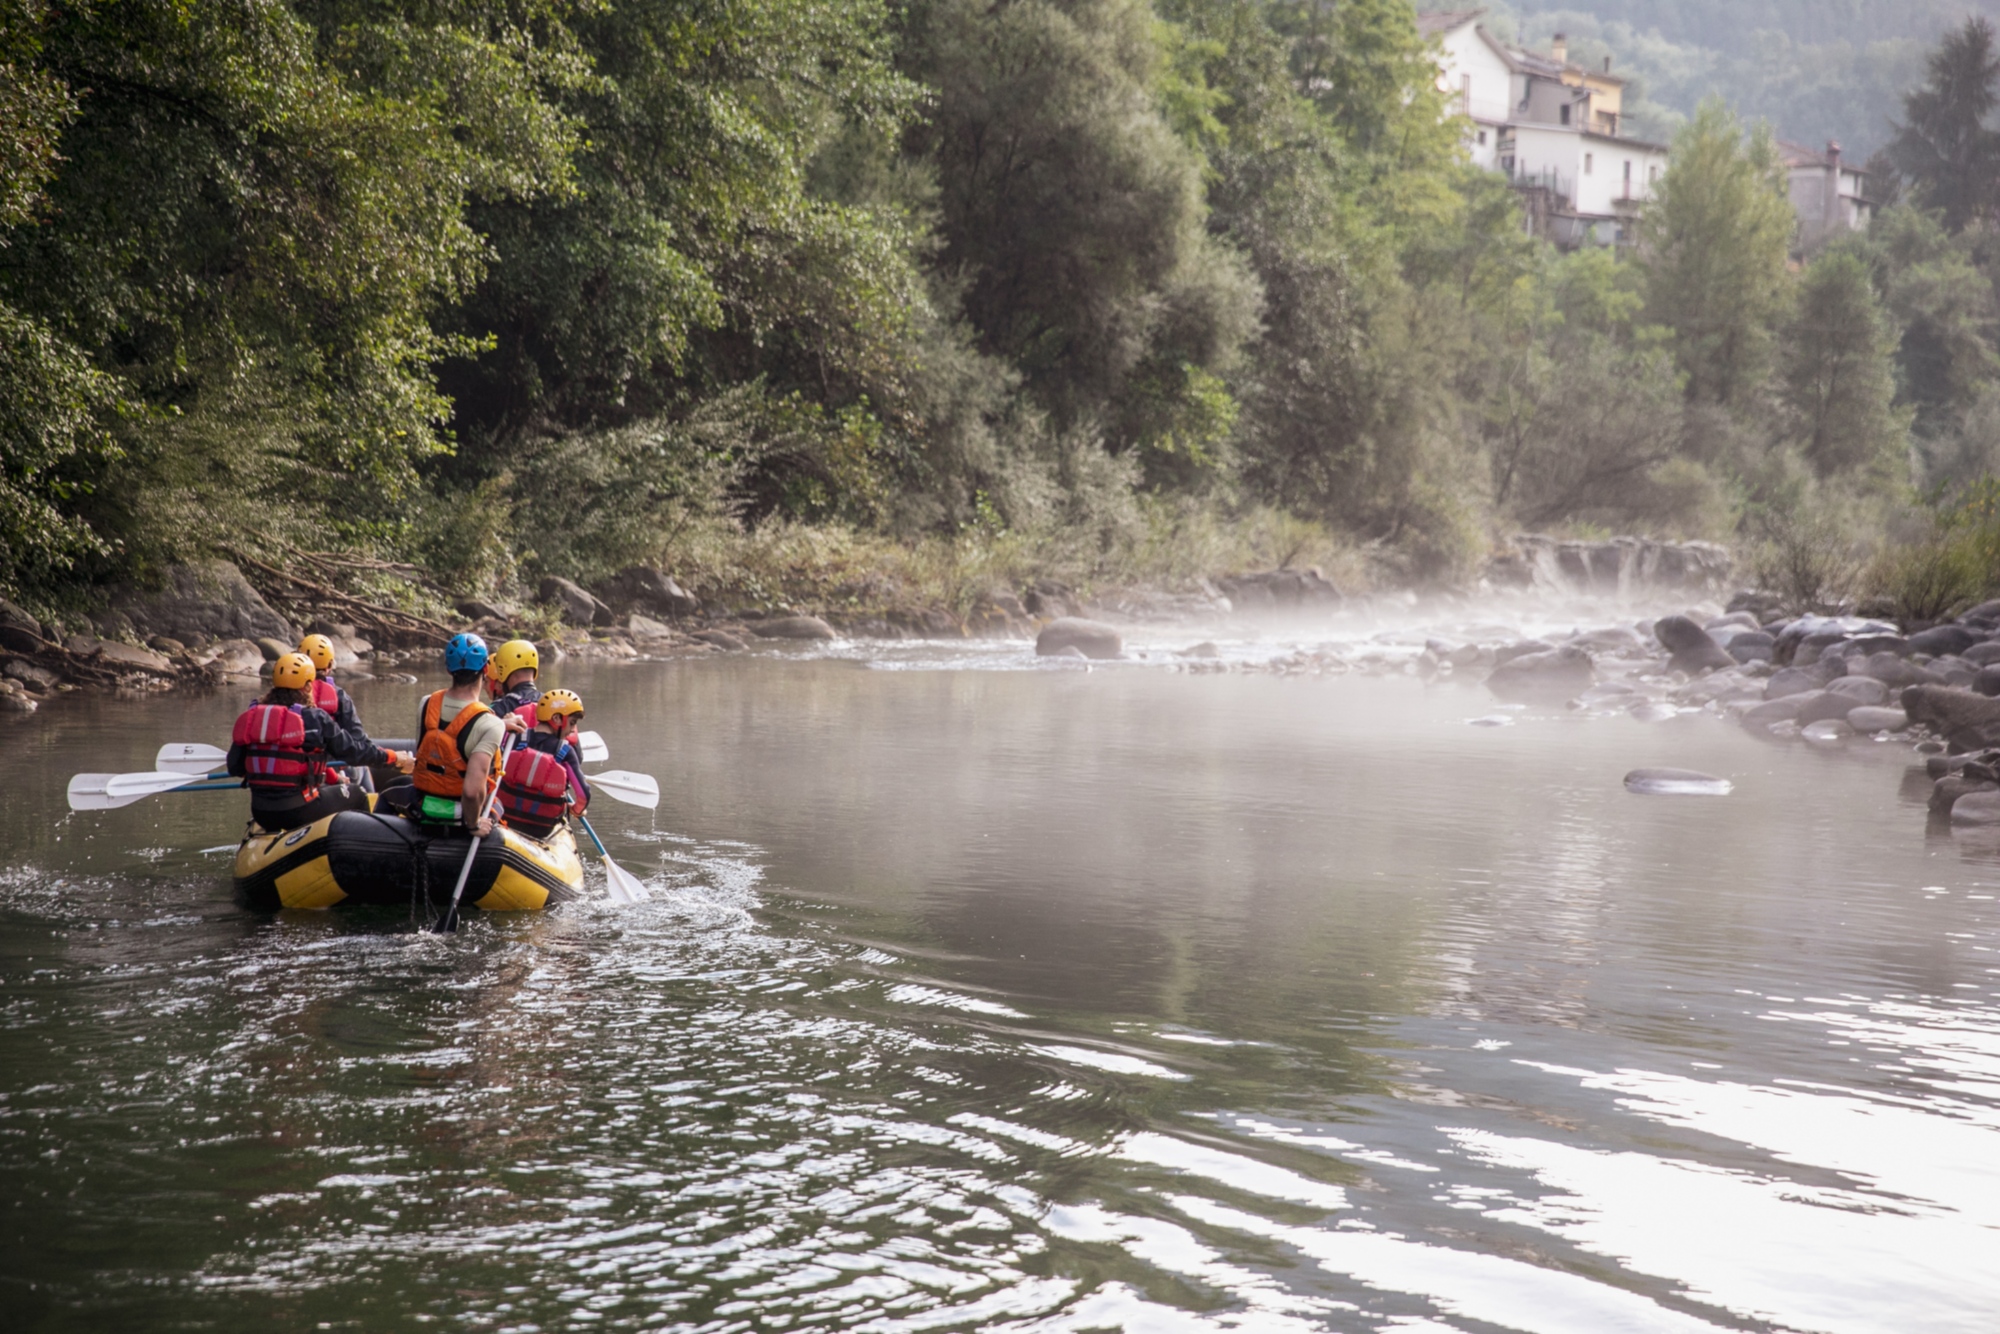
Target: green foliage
[1719, 228]
[1838, 374]
[1945, 148]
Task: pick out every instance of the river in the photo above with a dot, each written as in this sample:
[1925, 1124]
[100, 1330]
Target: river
[977, 998]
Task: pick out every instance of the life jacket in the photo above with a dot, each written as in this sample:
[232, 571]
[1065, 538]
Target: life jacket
[440, 754]
[283, 752]
[521, 705]
[533, 789]
[326, 697]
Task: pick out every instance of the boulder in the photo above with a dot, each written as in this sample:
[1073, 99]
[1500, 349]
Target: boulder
[1976, 808]
[18, 630]
[1694, 650]
[1966, 720]
[1791, 681]
[639, 586]
[1763, 717]
[1953, 672]
[1821, 705]
[1049, 600]
[132, 657]
[13, 701]
[1988, 680]
[274, 648]
[1940, 640]
[1894, 672]
[793, 627]
[1555, 674]
[1813, 646]
[578, 607]
[1093, 639]
[1827, 732]
[1948, 791]
[1986, 613]
[645, 627]
[238, 657]
[1859, 689]
[1520, 648]
[1205, 649]
[721, 639]
[1750, 646]
[32, 675]
[1871, 719]
[1614, 640]
[1284, 589]
[199, 602]
[473, 609]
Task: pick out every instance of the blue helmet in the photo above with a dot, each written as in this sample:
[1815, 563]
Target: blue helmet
[465, 653]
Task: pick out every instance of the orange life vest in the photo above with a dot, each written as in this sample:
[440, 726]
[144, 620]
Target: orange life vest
[440, 756]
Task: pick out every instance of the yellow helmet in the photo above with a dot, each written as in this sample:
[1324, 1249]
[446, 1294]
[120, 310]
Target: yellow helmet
[558, 701]
[294, 671]
[320, 649]
[511, 657]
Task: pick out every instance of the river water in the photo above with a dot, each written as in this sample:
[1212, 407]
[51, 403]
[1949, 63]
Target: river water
[1026, 999]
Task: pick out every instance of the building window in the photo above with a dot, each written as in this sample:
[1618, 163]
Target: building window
[1564, 113]
[1628, 171]
[1587, 164]
[1482, 138]
[1653, 173]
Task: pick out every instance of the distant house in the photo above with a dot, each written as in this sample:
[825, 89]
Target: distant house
[1555, 129]
[1829, 195]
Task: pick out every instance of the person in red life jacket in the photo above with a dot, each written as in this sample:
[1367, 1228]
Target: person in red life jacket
[329, 698]
[510, 680]
[459, 740]
[544, 778]
[280, 747]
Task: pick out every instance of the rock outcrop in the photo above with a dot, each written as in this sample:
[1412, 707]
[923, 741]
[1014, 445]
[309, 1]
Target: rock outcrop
[1093, 639]
[578, 605]
[201, 603]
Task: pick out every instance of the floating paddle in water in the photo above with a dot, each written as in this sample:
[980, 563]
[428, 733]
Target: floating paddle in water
[630, 788]
[188, 757]
[625, 887]
[1677, 783]
[591, 746]
[108, 792]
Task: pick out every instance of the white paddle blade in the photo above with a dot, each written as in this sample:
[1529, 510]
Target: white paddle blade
[593, 748]
[147, 785]
[188, 757]
[625, 887]
[630, 788]
[86, 792]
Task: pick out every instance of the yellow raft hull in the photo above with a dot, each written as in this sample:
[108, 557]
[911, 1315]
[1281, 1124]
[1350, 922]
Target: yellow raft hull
[358, 857]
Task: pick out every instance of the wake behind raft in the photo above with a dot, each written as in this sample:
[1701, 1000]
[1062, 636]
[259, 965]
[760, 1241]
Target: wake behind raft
[360, 857]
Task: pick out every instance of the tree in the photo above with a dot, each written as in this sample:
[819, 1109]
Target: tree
[1944, 147]
[1838, 371]
[1716, 236]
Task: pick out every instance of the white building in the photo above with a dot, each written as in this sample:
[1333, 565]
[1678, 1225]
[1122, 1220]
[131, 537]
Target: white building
[1555, 129]
[1829, 195]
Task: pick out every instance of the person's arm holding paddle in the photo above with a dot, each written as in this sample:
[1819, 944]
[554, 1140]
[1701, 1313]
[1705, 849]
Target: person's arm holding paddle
[479, 819]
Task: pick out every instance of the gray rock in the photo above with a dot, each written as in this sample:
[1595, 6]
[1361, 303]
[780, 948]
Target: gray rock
[645, 627]
[18, 630]
[476, 610]
[1820, 706]
[1750, 646]
[792, 627]
[1616, 641]
[1784, 709]
[1827, 731]
[1983, 654]
[199, 602]
[1692, 648]
[721, 639]
[1791, 681]
[1556, 674]
[1205, 649]
[273, 648]
[1520, 648]
[237, 657]
[1976, 808]
[1894, 671]
[1677, 783]
[578, 606]
[1953, 672]
[1871, 719]
[133, 657]
[651, 590]
[1859, 689]
[1987, 682]
[1948, 791]
[1812, 647]
[1652, 711]
[14, 702]
[1093, 639]
[1285, 589]
[1942, 639]
[1966, 720]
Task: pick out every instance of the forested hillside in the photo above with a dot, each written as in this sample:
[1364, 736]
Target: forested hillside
[1815, 69]
[825, 298]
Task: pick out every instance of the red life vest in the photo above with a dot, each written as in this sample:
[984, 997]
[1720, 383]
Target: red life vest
[326, 697]
[282, 750]
[532, 790]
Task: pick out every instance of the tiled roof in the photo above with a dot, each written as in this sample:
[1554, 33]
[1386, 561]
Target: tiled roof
[1430, 25]
[1798, 155]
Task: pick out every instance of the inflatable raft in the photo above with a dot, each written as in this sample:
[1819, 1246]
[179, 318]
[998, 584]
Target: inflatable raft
[357, 857]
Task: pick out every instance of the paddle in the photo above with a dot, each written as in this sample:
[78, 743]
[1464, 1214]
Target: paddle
[630, 788]
[188, 757]
[625, 887]
[449, 922]
[108, 792]
[591, 746]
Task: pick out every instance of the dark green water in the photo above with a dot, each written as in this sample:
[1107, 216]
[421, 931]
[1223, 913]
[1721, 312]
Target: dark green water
[1030, 1000]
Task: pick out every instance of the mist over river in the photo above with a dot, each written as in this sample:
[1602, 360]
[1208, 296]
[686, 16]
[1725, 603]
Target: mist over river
[981, 995]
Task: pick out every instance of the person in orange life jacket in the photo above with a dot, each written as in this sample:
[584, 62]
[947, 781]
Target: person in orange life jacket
[544, 778]
[458, 741]
[280, 746]
[329, 698]
[510, 680]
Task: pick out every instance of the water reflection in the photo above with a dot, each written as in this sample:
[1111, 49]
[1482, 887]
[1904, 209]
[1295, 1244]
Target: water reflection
[1037, 1002]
